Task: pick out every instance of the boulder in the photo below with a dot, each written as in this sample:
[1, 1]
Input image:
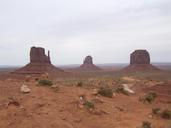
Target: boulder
[25, 89]
[127, 89]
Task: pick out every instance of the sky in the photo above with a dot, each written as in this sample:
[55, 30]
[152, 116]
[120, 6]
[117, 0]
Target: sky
[108, 30]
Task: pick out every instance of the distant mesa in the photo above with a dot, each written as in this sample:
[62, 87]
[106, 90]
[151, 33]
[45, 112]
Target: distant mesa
[39, 63]
[140, 61]
[88, 64]
[140, 57]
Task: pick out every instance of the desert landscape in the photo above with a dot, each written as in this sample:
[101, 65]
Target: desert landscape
[39, 95]
[85, 63]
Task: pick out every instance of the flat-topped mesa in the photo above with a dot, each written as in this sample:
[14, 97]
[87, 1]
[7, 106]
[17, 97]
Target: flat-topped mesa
[37, 55]
[140, 57]
[88, 64]
[140, 61]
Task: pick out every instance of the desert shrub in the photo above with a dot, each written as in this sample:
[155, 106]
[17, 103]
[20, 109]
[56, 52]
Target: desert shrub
[146, 124]
[45, 82]
[121, 90]
[166, 114]
[89, 105]
[120, 81]
[105, 91]
[79, 84]
[156, 111]
[149, 97]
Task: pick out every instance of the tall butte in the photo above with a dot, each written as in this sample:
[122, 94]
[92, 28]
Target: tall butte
[88, 64]
[140, 61]
[39, 63]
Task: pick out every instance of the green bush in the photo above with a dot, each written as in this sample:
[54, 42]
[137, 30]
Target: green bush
[146, 124]
[166, 114]
[156, 111]
[89, 105]
[45, 82]
[80, 84]
[106, 91]
[149, 97]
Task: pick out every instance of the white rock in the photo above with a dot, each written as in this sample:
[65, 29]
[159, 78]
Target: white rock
[126, 88]
[25, 89]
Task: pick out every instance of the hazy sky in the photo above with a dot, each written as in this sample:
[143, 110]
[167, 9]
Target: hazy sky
[109, 30]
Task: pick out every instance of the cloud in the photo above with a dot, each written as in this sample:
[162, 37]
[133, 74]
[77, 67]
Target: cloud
[109, 30]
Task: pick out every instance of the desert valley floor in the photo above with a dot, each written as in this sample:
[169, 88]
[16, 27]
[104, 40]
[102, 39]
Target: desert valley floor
[60, 105]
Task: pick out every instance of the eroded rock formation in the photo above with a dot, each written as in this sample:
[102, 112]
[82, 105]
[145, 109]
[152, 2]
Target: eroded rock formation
[88, 64]
[37, 55]
[140, 57]
[140, 61]
[40, 63]
[88, 60]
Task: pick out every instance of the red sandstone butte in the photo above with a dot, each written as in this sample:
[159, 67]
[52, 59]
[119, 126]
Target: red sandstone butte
[39, 63]
[140, 61]
[88, 64]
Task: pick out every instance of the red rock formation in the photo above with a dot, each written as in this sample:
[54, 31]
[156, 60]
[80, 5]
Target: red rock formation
[140, 57]
[140, 61]
[88, 60]
[88, 64]
[37, 55]
[39, 63]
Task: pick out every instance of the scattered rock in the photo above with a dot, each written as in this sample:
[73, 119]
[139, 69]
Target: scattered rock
[77, 120]
[98, 112]
[150, 116]
[97, 100]
[119, 108]
[56, 88]
[129, 79]
[13, 101]
[127, 89]
[45, 76]
[25, 89]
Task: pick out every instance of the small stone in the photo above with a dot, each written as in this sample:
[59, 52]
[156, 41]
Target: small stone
[150, 116]
[25, 89]
[77, 120]
[97, 100]
[81, 106]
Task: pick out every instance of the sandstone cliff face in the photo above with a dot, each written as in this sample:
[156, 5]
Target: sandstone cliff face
[140, 57]
[37, 55]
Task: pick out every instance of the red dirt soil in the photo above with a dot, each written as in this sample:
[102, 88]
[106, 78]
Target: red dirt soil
[44, 107]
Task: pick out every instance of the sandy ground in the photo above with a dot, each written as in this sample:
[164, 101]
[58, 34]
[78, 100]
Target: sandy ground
[46, 107]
